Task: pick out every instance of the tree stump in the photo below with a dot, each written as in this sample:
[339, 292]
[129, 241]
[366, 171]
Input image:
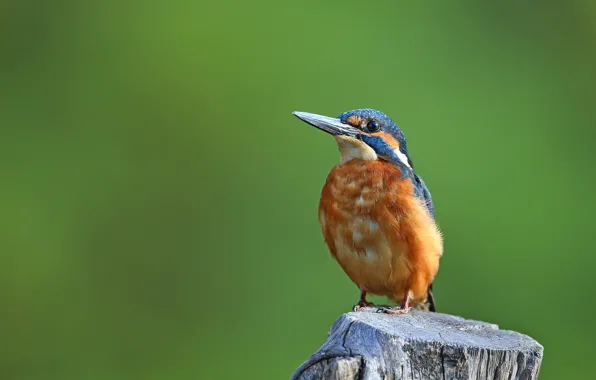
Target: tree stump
[367, 345]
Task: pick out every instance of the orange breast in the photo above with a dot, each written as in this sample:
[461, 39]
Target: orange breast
[381, 235]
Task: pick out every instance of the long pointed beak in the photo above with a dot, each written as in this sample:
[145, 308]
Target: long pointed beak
[330, 125]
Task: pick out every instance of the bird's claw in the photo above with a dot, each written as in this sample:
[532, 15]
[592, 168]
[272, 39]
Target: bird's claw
[394, 310]
[361, 305]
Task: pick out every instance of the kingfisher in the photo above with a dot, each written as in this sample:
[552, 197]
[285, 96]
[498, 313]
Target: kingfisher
[376, 213]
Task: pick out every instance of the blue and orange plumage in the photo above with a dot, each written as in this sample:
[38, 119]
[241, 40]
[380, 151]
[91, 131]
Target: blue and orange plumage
[376, 213]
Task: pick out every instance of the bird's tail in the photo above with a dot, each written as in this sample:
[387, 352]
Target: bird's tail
[429, 302]
[430, 299]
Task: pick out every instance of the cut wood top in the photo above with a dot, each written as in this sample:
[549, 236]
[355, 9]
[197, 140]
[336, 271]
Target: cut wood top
[422, 345]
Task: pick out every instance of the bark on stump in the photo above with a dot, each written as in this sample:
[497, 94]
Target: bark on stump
[367, 345]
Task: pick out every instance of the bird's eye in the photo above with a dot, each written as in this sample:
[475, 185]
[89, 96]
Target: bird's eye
[373, 126]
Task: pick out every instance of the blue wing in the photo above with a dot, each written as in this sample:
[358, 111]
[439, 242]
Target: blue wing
[422, 193]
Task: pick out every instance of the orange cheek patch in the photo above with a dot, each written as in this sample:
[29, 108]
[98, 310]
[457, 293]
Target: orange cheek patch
[354, 121]
[388, 139]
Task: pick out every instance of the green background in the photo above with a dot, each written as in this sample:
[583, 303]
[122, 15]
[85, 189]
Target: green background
[159, 201]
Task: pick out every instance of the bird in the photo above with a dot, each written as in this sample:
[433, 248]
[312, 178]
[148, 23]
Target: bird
[377, 214]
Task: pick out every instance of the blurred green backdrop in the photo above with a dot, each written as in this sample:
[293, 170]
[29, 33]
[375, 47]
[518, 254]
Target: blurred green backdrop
[159, 200]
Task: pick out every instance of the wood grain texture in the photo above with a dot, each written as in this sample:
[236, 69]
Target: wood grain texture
[366, 345]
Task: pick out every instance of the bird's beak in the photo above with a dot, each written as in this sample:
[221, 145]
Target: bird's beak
[330, 125]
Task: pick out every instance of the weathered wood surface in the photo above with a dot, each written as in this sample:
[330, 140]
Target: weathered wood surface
[366, 345]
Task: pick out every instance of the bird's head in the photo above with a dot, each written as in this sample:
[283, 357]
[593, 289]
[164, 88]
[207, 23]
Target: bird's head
[365, 133]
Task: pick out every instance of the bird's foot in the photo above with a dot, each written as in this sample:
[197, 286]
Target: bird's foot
[362, 304]
[394, 310]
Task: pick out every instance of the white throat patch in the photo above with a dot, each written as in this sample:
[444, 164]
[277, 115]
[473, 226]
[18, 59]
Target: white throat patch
[351, 148]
